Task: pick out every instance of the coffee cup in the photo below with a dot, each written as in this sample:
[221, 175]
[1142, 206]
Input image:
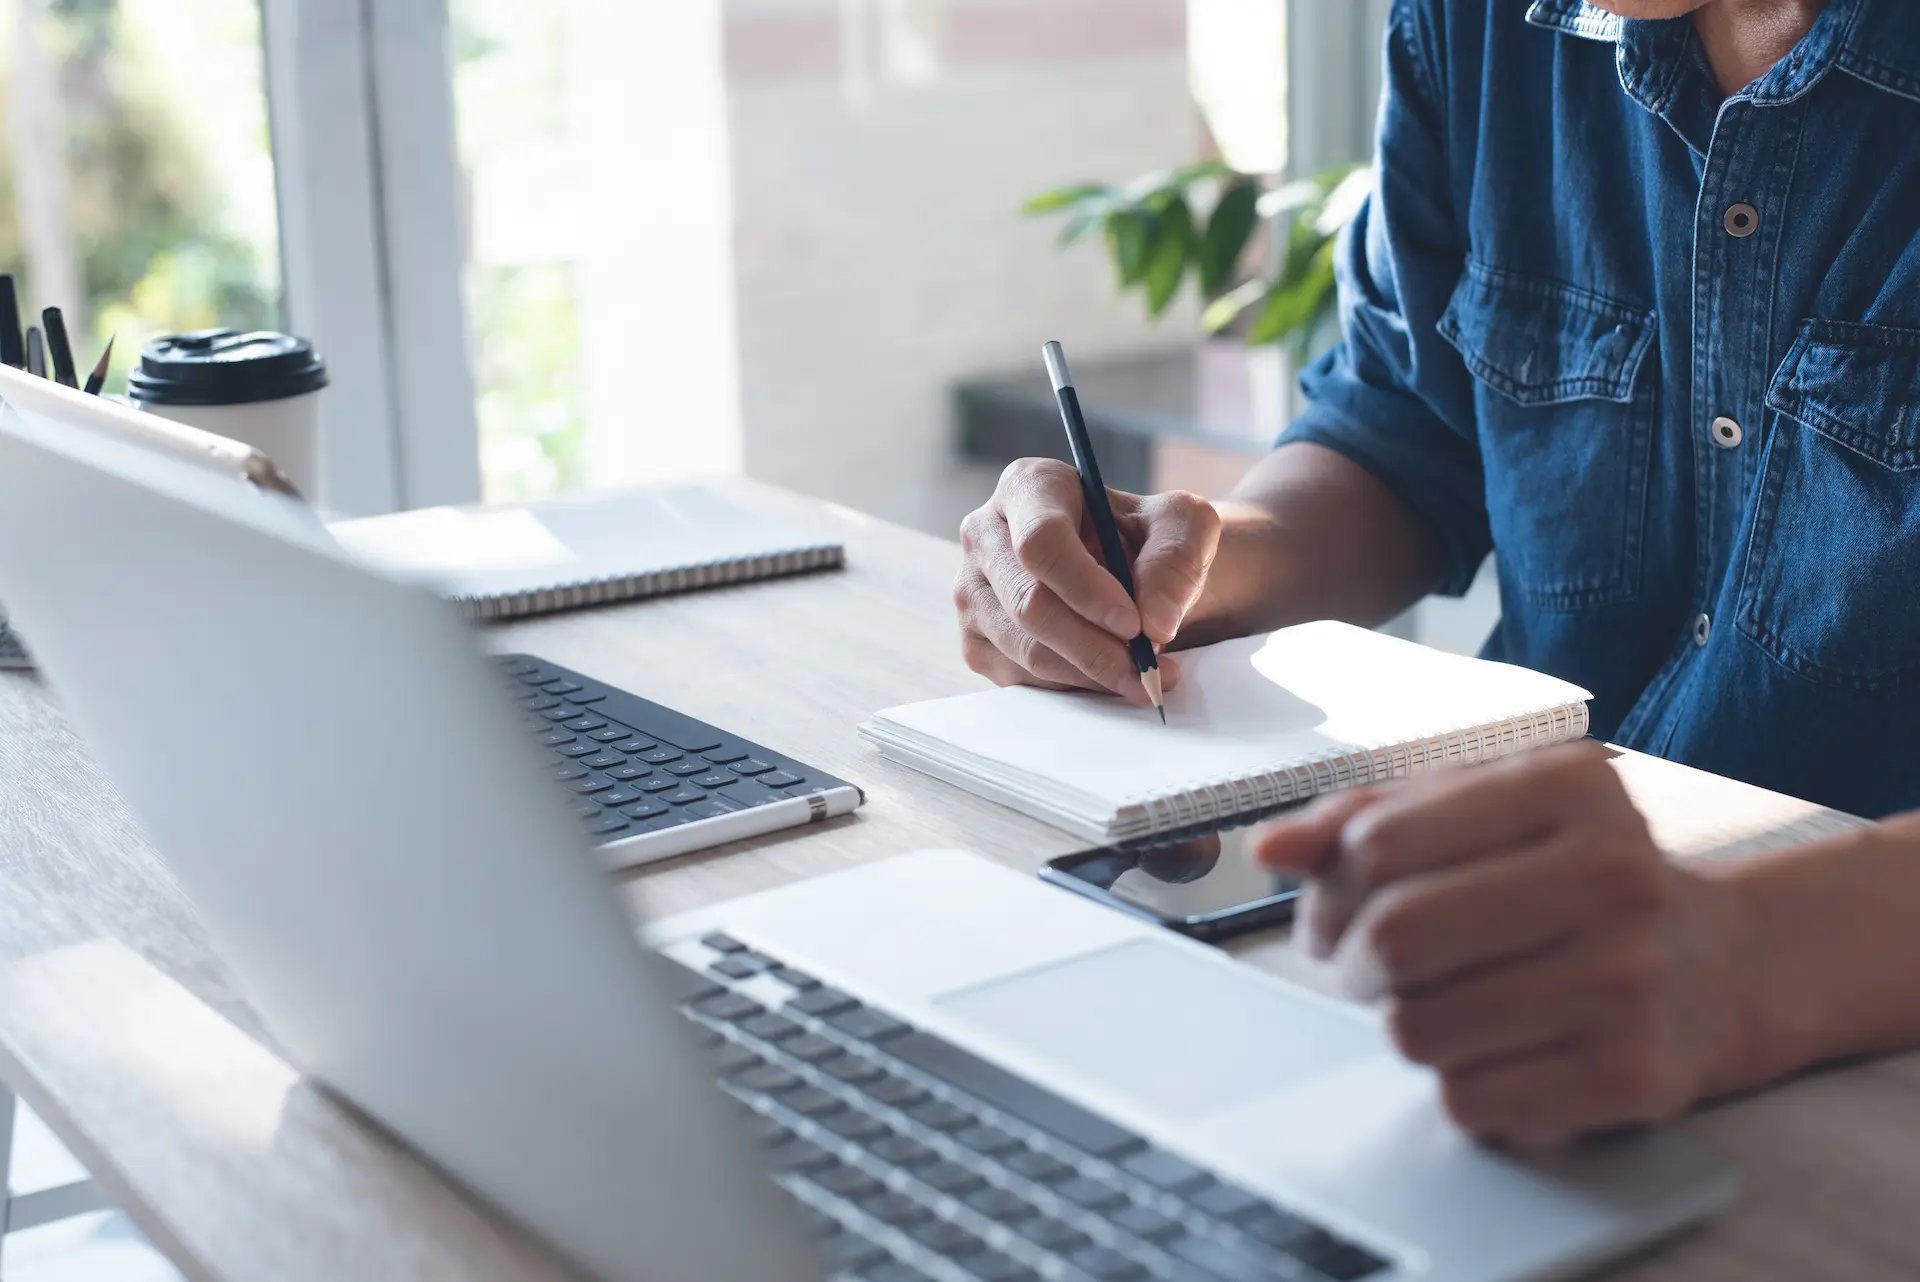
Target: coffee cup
[256, 387]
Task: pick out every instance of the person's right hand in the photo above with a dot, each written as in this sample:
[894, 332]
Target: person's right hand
[1038, 606]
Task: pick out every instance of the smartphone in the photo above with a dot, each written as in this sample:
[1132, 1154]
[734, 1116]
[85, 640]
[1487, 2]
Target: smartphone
[1208, 887]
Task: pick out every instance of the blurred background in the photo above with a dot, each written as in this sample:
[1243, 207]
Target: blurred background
[593, 243]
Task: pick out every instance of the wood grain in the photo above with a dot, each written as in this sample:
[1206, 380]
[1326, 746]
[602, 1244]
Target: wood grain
[122, 1028]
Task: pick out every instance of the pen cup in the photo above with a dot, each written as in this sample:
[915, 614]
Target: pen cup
[259, 388]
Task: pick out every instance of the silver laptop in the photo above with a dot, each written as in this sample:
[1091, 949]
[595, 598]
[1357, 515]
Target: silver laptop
[948, 1070]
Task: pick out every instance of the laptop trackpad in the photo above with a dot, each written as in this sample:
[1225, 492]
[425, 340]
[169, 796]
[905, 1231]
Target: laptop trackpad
[1171, 1033]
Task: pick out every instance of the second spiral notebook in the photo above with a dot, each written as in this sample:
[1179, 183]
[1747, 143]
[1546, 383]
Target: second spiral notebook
[505, 561]
[1255, 724]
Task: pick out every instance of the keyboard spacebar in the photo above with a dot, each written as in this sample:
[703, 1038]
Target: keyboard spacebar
[1013, 1095]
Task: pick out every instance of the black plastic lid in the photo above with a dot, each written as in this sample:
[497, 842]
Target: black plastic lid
[225, 367]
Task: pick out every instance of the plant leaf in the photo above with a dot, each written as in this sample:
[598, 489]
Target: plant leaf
[1167, 262]
[1132, 236]
[1292, 304]
[1048, 202]
[1343, 201]
[1224, 310]
[1085, 217]
[1228, 230]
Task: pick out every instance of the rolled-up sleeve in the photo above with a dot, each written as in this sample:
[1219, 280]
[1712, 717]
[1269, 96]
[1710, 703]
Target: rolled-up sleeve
[1394, 396]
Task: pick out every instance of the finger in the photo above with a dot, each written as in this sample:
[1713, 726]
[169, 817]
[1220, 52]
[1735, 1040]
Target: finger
[1307, 840]
[1427, 929]
[1043, 506]
[984, 657]
[1028, 606]
[1557, 994]
[1549, 1098]
[1182, 535]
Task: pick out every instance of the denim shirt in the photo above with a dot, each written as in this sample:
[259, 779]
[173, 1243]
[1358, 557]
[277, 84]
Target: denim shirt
[1661, 352]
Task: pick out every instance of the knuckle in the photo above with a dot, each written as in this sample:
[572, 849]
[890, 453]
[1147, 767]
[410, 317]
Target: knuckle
[963, 592]
[1373, 841]
[1630, 1077]
[978, 652]
[1634, 970]
[1636, 878]
[1027, 605]
[973, 530]
[1412, 1032]
[1038, 545]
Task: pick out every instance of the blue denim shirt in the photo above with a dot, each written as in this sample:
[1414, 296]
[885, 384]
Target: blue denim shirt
[1661, 351]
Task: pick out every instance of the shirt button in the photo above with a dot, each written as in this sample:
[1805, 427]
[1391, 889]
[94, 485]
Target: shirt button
[1702, 629]
[1726, 433]
[1741, 220]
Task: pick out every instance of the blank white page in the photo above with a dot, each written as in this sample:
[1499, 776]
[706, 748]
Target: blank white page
[1242, 707]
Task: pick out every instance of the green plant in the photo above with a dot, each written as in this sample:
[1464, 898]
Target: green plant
[1278, 294]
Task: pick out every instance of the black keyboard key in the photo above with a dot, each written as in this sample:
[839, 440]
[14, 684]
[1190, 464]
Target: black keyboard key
[514, 665]
[1095, 1195]
[1144, 1222]
[1041, 1168]
[780, 779]
[585, 809]
[586, 696]
[1106, 1264]
[560, 685]
[656, 785]
[796, 979]
[540, 703]
[605, 760]
[728, 1006]
[821, 1001]
[938, 1115]
[1013, 1095]
[608, 734]
[851, 1069]
[685, 768]
[845, 1181]
[767, 1079]
[902, 1151]
[732, 1057]
[1275, 1227]
[857, 1128]
[572, 770]
[619, 797]
[1164, 1171]
[706, 809]
[949, 1177]
[560, 712]
[577, 749]
[1221, 1259]
[660, 756]
[608, 824]
[797, 1155]
[584, 722]
[683, 796]
[811, 1101]
[894, 1209]
[631, 746]
[866, 1024]
[713, 780]
[992, 1266]
[1348, 1263]
[688, 984]
[845, 1251]
[644, 810]
[626, 771]
[734, 968]
[557, 738]
[1000, 1205]
[1050, 1234]
[946, 1239]
[721, 943]
[989, 1141]
[810, 1048]
[1225, 1201]
[750, 767]
[897, 1092]
[768, 1027]
[724, 756]
[592, 783]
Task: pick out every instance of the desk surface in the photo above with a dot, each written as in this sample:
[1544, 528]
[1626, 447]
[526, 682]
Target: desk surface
[119, 1025]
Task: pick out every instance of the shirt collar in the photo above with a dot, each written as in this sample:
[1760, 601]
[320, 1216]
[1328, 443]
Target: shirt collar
[1877, 41]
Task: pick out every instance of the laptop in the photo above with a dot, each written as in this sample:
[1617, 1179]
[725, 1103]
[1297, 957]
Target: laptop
[928, 1067]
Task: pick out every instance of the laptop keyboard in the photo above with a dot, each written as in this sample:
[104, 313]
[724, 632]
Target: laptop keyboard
[632, 766]
[915, 1160]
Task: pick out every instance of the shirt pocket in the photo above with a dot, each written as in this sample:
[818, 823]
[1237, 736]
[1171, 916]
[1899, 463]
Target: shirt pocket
[1565, 422]
[1831, 588]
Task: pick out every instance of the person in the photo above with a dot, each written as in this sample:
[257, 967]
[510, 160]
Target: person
[1635, 305]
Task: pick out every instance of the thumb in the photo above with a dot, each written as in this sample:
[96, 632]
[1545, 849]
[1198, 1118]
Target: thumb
[1182, 535]
[1307, 841]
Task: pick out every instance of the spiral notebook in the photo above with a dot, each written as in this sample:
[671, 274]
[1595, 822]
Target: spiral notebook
[506, 561]
[1255, 724]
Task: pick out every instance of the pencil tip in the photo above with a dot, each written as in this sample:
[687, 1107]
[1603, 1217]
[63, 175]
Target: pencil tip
[1162, 710]
[1150, 681]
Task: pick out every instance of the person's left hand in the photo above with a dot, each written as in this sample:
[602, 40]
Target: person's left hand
[1529, 942]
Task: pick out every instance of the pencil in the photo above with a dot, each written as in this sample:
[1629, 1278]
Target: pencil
[13, 348]
[58, 349]
[98, 379]
[1094, 491]
[36, 352]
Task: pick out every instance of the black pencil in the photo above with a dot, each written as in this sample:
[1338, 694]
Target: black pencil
[36, 352]
[1094, 491]
[58, 349]
[98, 379]
[13, 347]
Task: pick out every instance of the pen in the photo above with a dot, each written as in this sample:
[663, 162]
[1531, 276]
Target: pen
[58, 349]
[36, 352]
[1094, 490]
[98, 379]
[13, 349]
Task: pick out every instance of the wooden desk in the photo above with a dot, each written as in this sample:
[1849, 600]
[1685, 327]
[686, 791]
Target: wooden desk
[119, 1025]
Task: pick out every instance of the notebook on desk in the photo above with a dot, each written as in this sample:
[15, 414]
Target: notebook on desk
[505, 561]
[1255, 724]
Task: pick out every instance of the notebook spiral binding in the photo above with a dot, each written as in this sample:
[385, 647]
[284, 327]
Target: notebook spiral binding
[1207, 803]
[632, 587]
